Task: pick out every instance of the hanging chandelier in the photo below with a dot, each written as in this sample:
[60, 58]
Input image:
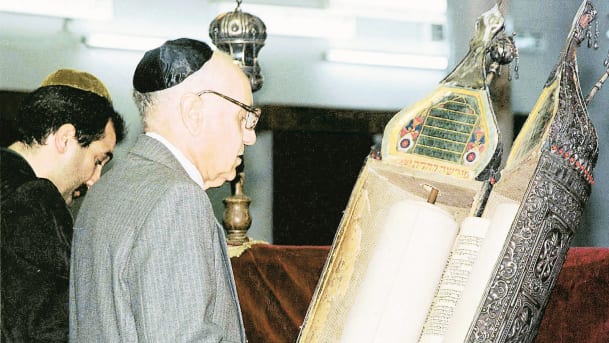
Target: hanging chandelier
[241, 35]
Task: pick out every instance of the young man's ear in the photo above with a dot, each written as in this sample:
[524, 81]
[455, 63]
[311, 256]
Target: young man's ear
[191, 111]
[63, 136]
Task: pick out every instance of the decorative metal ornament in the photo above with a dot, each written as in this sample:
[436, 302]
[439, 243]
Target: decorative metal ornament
[241, 35]
[503, 52]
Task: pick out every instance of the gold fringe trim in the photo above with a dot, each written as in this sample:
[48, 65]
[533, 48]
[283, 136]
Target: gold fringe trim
[237, 250]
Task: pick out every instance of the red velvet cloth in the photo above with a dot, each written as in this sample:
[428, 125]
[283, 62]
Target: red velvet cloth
[578, 310]
[276, 284]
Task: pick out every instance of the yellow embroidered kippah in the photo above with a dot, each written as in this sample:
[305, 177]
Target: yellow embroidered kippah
[77, 79]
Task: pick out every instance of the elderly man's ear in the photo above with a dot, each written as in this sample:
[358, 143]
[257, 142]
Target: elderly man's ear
[62, 137]
[191, 111]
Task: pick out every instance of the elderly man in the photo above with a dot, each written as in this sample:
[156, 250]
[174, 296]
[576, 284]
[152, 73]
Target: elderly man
[149, 257]
[68, 130]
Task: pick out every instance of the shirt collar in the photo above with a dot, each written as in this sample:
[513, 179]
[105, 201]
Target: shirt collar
[188, 166]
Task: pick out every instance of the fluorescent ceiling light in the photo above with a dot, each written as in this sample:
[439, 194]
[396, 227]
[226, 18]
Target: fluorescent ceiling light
[432, 11]
[122, 42]
[300, 22]
[402, 5]
[529, 42]
[386, 59]
[81, 9]
[339, 20]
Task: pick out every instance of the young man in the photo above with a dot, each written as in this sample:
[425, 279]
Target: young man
[68, 130]
[149, 257]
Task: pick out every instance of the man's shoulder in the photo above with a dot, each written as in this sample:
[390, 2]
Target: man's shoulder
[36, 192]
[134, 186]
[22, 191]
[32, 209]
[14, 171]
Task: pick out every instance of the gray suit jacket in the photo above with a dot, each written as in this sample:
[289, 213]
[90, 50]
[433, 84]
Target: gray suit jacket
[149, 260]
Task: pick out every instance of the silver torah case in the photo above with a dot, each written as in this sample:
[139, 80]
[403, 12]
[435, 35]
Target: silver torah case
[550, 168]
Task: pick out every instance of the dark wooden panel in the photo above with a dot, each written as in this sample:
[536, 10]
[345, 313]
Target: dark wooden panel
[310, 119]
[313, 176]
[9, 104]
[317, 156]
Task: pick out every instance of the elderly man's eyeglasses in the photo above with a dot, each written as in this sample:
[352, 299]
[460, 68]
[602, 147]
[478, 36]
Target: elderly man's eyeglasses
[253, 113]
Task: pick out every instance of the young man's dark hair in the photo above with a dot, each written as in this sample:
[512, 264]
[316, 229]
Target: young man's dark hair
[44, 110]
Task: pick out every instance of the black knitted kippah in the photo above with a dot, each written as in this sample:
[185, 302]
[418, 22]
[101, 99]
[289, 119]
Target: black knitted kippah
[170, 64]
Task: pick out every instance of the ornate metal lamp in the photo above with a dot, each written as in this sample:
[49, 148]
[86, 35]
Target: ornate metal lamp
[240, 35]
